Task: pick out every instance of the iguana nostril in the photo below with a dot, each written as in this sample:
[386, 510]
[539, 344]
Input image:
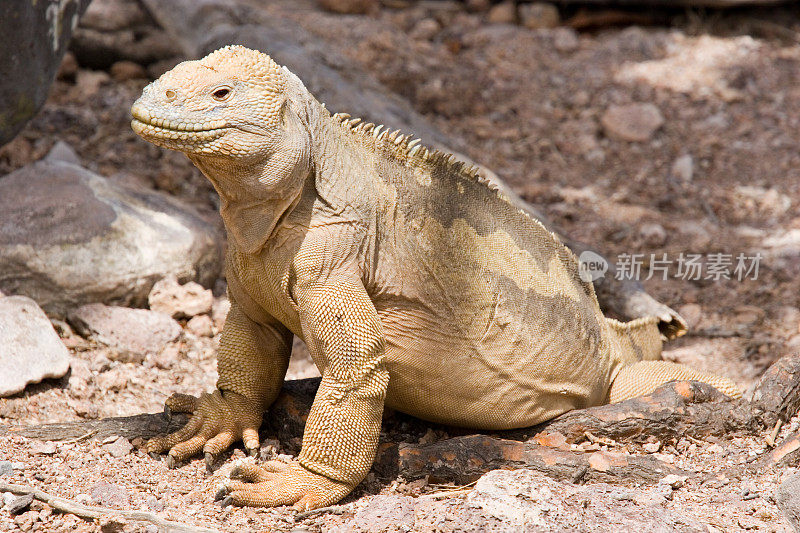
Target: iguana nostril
[170, 95]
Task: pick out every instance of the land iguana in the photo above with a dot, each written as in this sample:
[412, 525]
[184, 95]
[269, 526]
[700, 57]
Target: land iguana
[414, 282]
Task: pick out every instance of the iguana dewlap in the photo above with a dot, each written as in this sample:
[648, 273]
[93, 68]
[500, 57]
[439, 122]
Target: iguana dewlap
[413, 282]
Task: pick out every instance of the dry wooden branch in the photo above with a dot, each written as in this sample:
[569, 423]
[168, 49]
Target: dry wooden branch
[92, 511]
[465, 459]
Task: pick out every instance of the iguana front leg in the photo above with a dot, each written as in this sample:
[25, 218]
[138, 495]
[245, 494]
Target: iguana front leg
[342, 329]
[252, 363]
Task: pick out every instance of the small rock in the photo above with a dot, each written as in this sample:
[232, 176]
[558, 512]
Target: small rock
[30, 349]
[113, 15]
[110, 495]
[5, 468]
[61, 151]
[503, 13]
[425, 29]
[715, 449]
[655, 497]
[113, 380]
[652, 447]
[88, 82]
[478, 6]
[19, 504]
[167, 358]
[68, 68]
[112, 523]
[632, 122]
[653, 234]
[665, 457]
[539, 15]
[133, 331]
[170, 297]
[219, 311]
[692, 313]
[8, 497]
[201, 325]
[349, 7]
[566, 40]
[683, 168]
[127, 70]
[120, 447]
[673, 480]
[38, 447]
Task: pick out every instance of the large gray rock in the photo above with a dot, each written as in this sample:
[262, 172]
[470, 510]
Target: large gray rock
[35, 37]
[69, 237]
[788, 499]
[522, 500]
[30, 349]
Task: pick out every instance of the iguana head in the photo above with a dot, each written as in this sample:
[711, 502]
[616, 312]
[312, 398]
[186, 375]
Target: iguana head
[228, 104]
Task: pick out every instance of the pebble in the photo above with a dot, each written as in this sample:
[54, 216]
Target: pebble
[653, 234]
[127, 70]
[42, 448]
[349, 7]
[566, 40]
[187, 300]
[5, 468]
[8, 497]
[110, 495]
[19, 504]
[673, 480]
[201, 325]
[503, 13]
[632, 122]
[652, 447]
[692, 313]
[119, 448]
[539, 15]
[683, 168]
[425, 29]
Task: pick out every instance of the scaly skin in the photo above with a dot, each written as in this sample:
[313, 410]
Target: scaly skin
[413, 282]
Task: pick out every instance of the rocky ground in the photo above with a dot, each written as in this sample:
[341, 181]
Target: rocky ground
[673, 138]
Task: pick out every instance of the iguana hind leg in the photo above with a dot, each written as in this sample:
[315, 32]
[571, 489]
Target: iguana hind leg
[645, 376]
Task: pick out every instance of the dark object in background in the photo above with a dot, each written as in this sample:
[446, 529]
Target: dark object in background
[34, 38]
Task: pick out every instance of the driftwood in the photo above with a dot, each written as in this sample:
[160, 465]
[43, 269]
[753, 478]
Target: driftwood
[674, 410]
[464, 459]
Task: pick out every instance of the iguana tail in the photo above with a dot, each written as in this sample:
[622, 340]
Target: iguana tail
[637, 340]
[637, 347]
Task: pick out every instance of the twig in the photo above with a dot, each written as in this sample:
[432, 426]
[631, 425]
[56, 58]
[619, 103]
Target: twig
[92, 511]
[594, 439]
[78, 439]
[333, 509]
[444, 494]
[774, 434]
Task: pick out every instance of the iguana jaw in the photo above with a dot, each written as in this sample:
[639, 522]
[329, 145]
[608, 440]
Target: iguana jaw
[189, 137]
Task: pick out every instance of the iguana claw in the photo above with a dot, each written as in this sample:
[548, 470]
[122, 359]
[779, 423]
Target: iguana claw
[280, 483]
[218, 420]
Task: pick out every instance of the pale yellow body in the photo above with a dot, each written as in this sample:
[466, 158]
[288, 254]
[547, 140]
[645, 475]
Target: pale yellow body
[414, 283]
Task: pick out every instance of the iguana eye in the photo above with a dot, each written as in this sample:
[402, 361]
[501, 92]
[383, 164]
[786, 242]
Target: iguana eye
[222, 93]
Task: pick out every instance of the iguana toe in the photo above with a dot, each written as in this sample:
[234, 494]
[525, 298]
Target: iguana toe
[218, 420]
[294, 485]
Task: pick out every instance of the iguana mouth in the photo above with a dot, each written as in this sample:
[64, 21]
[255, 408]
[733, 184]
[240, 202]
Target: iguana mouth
[147, 125]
